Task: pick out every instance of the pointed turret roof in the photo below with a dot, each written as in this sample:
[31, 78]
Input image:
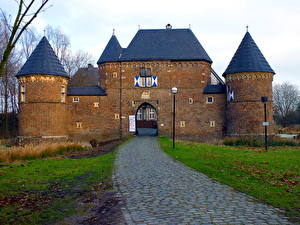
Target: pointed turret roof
[43, 61]
[248, 58]
[112, 51]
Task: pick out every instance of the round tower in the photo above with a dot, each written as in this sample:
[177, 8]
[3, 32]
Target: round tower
[248, 78]
[43, 90]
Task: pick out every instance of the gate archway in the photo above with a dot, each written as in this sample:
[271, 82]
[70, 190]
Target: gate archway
[146, 120]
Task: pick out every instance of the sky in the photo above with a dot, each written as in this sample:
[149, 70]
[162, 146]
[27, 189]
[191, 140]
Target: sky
[219, 25]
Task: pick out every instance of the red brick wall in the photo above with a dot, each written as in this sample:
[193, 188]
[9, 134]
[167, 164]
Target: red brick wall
[246, 113]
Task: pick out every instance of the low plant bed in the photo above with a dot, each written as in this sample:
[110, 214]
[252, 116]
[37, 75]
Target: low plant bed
[273, 176]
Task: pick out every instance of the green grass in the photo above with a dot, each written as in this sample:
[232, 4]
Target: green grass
[50, 187]
[273, 177]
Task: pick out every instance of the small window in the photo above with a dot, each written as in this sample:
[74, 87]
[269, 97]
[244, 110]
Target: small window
[96, 104]
[115, 74]
[75, 99]
[63, 94]
[78, 124]
[152, 114]
[212, 123]
[182, 123]
[132, 103]
[148, 81]
[117, 116]
[139, 115]
[191, 101]
[23, 91]
[209, 99]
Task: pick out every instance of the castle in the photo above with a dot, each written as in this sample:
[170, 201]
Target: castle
[130, 92]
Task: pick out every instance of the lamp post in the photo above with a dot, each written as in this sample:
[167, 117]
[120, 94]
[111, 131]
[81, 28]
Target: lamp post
[174, 92]
[264, 99]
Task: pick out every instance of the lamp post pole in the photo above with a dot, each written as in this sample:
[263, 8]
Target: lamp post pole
[264, 99]
[174, 91]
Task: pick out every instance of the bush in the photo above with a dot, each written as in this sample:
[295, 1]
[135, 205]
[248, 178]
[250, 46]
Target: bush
[256, 142]
[30, 151]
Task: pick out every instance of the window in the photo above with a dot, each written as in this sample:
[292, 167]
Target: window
[115, 74]
[23, 91]
[132, 103]
[182, 123]
[191, 101]
[75, 99]
[212, 123]
[78, 124]
[96, 104]
[209, 99]
[152, 114]
[139, 115]
[145, 77]
[63, 94]
[117, 116]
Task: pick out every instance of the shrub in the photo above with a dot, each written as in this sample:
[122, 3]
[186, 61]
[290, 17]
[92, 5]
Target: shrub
[257, 142]
[30, 151]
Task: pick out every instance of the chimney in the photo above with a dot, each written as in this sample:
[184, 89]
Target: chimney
[90, 66]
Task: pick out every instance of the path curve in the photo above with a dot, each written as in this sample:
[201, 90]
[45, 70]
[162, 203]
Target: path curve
[159, 190]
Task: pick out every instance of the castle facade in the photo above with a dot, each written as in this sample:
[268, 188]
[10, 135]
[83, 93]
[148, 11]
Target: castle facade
[130, 91]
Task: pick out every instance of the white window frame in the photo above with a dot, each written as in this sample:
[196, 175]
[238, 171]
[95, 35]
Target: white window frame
[78, 124]
[149, 81]
[63, 94]
[96, 104]
[212, 123]
[117, 116]
[76, 99]
[115, 74]
[23, 93]
[191, 101]
[182, 123]
[152, 114]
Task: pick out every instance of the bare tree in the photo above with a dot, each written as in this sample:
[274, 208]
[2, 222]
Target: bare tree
[26, 13]
[78, 60]
[286, 99]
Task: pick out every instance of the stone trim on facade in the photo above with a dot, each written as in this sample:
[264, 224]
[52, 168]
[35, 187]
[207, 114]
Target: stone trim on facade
[249, 76]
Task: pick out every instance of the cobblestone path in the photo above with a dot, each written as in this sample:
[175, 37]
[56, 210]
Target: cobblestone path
[158, 190]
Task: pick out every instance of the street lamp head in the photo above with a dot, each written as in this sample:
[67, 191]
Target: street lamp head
[174, 90]
[264, 99]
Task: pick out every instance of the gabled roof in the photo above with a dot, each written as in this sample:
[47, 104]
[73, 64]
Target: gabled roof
[86, 91]
[248, 58]
[112, 51]
[214, 89]
[165, 44]
[85, 77]
[43, 61]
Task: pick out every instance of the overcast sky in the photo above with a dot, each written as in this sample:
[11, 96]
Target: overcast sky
[218, 24]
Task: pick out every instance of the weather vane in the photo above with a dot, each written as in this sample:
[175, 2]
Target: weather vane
[247, 27]
[114, 31]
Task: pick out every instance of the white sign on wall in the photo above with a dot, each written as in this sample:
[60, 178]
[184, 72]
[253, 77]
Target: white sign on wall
[131, 123]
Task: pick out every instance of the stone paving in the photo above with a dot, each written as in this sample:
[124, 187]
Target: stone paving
[159, 190]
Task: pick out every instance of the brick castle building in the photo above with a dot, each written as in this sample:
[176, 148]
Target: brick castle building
[129, 93]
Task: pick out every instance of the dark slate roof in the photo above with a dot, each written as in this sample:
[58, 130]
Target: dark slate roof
[85, 77]
[248, 58]
[43, 61]
[86, 91]
[112, 51]
[214, 89]
[165, 44]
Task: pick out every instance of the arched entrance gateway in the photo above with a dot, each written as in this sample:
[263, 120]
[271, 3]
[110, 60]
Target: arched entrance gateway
[146, 120]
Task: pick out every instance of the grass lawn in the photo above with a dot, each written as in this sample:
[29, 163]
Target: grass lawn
[43, 191]
[273, 176]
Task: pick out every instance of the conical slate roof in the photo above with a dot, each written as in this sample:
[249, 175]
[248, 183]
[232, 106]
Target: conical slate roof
[248, 58]
[112, 51]
[43, 61]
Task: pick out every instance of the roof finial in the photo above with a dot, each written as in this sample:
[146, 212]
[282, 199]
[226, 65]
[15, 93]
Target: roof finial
[114, 31]
[190, 26]
[44, 32]
[247, 27]
[139, 26]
